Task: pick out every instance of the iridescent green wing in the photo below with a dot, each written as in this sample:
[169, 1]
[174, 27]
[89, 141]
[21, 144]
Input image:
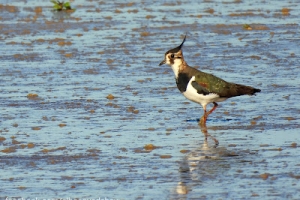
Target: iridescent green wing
[207, 83]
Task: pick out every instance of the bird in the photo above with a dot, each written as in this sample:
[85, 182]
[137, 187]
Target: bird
[201, 87]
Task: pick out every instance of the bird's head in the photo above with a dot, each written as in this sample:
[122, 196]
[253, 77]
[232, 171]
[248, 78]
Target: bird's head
[174, 57]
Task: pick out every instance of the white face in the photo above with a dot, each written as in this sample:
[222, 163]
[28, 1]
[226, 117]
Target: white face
[174, 60]
[174, 57]
[171, 58]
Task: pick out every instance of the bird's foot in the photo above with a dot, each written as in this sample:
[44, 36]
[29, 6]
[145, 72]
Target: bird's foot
[202, 121]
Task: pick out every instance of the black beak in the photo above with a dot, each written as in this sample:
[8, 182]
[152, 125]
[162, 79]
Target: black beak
[162, 62]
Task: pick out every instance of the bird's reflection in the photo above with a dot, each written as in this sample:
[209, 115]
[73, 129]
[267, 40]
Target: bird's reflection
[201, 164]
[203, 129]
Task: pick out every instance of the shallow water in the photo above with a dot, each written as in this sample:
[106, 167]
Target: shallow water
[73, 141]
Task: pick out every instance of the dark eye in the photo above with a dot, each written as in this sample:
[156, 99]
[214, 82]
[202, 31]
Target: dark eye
[172, 55]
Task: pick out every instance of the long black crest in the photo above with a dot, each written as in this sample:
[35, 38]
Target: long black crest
[175, 50]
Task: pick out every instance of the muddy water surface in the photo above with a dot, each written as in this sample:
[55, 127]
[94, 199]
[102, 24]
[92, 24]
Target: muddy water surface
[86, 112]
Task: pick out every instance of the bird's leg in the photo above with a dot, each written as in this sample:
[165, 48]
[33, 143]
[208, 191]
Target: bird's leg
[214, 108]
[205, 115]
[203, 119]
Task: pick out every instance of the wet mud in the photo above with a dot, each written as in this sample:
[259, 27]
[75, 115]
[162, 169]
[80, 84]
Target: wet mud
[86, 112]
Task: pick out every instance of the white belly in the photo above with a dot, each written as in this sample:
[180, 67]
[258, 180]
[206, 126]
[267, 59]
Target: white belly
[191, 94]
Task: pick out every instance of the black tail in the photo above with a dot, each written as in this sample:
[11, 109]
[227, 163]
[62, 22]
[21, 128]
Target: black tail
[243, 89]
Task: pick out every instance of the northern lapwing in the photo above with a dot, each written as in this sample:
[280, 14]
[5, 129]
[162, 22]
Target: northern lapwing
[200, 87]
